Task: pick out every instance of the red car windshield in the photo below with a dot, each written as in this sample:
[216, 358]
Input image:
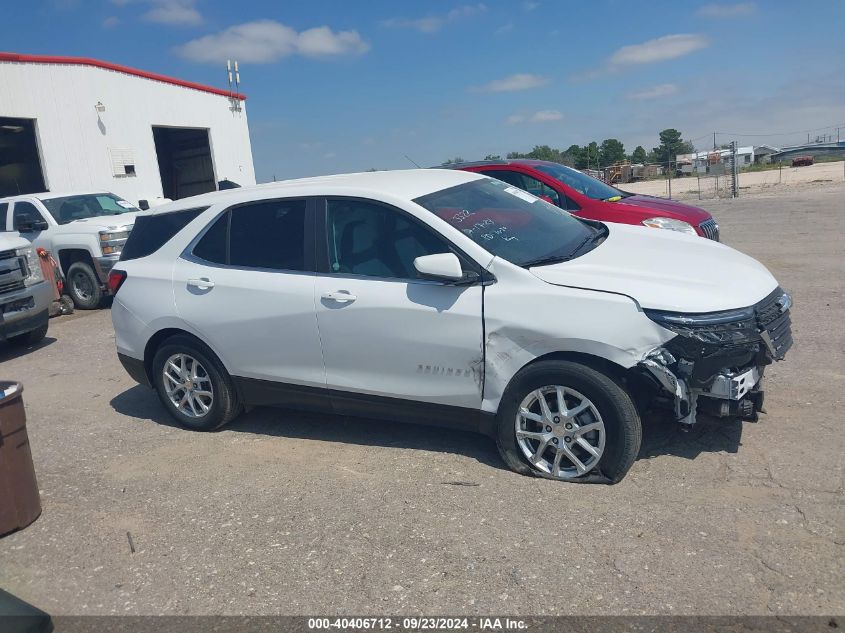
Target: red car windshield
[581, 182]
[511, 223]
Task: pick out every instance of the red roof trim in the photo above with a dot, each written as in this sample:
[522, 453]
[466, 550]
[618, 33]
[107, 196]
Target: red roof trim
[87, 61]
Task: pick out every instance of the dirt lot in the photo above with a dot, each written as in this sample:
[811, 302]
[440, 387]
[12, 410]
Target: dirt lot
[298, 514]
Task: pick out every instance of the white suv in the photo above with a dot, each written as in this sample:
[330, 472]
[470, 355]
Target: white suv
[445, 298]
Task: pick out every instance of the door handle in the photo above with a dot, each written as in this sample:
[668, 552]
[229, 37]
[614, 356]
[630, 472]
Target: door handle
[341, 296]
[203, 283]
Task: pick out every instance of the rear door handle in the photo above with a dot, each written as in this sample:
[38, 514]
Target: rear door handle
[341, 296]
[203, 283]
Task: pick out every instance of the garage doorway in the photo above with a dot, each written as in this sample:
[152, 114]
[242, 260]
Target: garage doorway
[184, 161]
[20, 161]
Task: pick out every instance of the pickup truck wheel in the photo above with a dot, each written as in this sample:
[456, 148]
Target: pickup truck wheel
[193, 385]
[84, 286]
[566, 421]
[30, 338]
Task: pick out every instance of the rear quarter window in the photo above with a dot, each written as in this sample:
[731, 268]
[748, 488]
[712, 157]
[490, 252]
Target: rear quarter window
[151, 232]
[4, 209]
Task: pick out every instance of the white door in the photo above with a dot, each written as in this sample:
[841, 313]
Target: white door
[384, 331]
[248, 289]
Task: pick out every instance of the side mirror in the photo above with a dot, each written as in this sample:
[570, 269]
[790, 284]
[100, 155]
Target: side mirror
[442, 267]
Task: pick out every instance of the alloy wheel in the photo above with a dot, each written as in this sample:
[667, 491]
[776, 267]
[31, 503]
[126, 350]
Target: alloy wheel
[188, 385]
[560, 431]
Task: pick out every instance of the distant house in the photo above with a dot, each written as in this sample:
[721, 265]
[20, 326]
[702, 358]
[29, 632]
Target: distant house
[763, 154]
[713, 162]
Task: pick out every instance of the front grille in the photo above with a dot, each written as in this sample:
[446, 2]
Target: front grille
[11, 272]
[710, 229]
[773, 318]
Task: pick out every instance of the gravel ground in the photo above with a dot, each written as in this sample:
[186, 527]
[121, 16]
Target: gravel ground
[286, 513]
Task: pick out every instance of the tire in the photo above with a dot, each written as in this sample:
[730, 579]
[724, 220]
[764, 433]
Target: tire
[30, 338]
[83, 286]
[223, 405]
[609, 408]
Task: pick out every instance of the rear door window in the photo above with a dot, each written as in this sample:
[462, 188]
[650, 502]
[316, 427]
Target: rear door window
[151, 232]
[4, 210]
[268, 234]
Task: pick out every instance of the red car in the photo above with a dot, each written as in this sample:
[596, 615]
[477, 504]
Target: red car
[593, 199]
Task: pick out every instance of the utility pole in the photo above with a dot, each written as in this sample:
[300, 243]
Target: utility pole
[734, 175]
[714, 141]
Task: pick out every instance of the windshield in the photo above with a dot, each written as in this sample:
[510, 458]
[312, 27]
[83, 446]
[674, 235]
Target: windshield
[582, 183]
[91, 205]
[509, 222]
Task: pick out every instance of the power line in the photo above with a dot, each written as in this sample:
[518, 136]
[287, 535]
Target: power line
[816, 129]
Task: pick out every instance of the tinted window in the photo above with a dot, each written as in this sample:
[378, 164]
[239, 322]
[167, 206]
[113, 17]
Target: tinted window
[511, 223]
[369, 239]
[25, 212]
[4, 208]
[268, 235]
[581, 182]
[151, 232]
[212, 245]
[526, 183]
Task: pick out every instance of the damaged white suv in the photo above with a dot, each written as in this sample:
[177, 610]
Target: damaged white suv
[446, 298]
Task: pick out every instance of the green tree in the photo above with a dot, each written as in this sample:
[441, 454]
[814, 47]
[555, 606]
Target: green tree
[671, 144]
[492, 157]
[611, 151]
[454, 161]
[639, 155]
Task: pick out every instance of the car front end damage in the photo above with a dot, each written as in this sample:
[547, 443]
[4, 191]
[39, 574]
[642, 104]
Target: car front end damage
[715, 364]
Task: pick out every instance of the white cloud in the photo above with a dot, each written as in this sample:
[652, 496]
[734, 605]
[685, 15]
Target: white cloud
[266, 41]
[530, 5]
[542, 116]
[658, 50]
[433, 23]
[655, 92]
[727, 10]
[505, 28]
[520, 81]
[111, 22]
[174, 12]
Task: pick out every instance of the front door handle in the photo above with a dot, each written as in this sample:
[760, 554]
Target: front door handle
[341, 296]
[203, 283]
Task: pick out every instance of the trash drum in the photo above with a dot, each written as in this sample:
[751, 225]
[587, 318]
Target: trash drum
[20, 503]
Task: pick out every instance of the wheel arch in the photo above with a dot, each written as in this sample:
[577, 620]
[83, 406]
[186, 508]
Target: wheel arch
[157, 339]
[69, 256]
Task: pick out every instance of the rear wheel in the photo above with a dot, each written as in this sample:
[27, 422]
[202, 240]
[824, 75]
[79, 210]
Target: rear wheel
[564, 420]
[193, 385]
[84, 286]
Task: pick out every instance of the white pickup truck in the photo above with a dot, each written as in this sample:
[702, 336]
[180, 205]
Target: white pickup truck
[25, 296]
[85, 232]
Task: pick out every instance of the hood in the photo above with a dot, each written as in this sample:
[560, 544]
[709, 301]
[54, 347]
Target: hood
[666, 270]
[12, 239]
[669, 208]
[98, 223]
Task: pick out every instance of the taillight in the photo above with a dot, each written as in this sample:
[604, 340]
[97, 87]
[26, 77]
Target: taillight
[116, 279]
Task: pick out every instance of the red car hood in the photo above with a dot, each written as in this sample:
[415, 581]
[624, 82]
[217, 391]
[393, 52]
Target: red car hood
[670, 208]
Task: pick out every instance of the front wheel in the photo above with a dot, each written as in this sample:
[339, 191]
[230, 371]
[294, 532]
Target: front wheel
[564, 420]
[84, 286]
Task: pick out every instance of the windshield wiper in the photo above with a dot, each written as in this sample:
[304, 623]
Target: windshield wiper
[545, 261]
[556, 259]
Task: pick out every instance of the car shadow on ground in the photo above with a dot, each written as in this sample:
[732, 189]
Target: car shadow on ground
[141, 402]
[661, 436]
[9, 351]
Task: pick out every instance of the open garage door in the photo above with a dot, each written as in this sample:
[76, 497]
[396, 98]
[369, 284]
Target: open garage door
[184, 161]
[20, 164]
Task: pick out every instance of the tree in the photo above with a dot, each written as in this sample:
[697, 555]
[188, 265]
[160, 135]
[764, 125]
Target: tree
[671, 145]
[492, 157]
[611, 151]
[639, 155]
[454, 161]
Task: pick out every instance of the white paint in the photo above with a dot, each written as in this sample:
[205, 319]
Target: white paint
[421, 340]
[80, 147]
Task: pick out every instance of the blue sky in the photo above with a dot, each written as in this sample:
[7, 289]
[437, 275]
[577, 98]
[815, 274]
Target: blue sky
[338, 85]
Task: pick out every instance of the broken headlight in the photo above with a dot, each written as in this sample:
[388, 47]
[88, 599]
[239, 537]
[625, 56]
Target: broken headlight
[729, 327]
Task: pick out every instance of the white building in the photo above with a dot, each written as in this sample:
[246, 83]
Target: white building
[77, 124]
